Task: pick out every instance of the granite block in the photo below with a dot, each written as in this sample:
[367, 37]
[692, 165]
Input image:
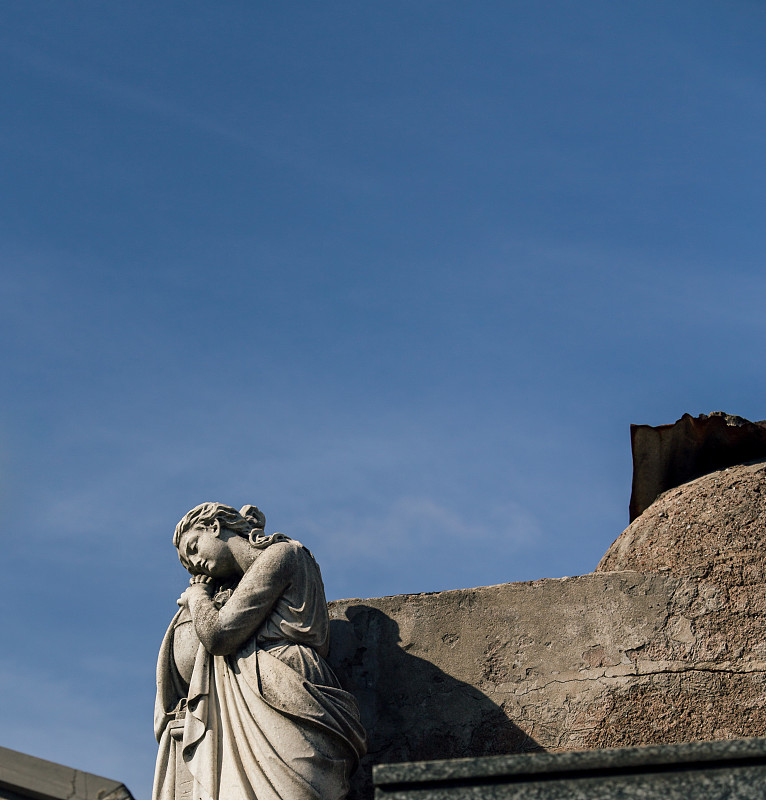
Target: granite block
[732, 769]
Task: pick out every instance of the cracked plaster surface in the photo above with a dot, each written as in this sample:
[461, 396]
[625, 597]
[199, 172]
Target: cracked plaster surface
[666, 642]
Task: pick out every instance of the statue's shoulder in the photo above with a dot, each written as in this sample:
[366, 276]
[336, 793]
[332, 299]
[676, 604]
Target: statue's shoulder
[279, 554]
[291, 557]
[285, 545]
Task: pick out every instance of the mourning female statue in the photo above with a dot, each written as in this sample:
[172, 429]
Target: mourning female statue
[247, 707]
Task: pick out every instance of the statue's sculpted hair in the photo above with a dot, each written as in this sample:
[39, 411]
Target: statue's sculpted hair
[249, 522]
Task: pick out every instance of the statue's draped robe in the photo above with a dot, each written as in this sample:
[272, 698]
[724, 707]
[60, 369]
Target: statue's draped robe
[269, 721]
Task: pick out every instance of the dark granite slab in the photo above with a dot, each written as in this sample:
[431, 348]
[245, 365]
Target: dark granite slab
[734, 769]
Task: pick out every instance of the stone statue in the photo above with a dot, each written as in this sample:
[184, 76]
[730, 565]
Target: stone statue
[247, 707]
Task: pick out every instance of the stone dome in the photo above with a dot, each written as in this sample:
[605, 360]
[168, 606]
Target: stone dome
[708, 538]
[712, 528]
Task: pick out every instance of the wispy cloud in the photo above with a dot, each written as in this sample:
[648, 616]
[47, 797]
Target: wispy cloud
[113, 91]
[415, 542]
[263, 135]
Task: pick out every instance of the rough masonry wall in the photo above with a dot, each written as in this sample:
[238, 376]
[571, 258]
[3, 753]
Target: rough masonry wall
[607, 659]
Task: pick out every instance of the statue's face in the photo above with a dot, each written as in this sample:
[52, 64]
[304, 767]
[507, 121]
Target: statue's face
[205, 553]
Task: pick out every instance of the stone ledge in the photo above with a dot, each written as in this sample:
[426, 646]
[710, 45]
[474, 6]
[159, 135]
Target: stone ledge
[25, 776]
[732, 769]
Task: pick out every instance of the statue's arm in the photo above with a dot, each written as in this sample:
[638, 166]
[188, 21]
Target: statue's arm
[223, 631]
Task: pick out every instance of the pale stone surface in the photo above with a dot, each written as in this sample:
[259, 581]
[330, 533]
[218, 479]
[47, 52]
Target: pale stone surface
[247, 707]
[615, 658]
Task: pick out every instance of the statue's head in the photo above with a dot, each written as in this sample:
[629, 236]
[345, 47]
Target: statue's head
[218, 522]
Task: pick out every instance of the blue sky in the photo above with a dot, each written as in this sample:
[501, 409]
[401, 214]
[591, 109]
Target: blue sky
[401, 274]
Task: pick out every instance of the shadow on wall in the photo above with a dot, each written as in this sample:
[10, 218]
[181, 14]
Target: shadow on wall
[412, 710]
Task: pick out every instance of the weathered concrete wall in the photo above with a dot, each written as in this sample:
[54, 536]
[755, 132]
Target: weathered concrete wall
[607, 659]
